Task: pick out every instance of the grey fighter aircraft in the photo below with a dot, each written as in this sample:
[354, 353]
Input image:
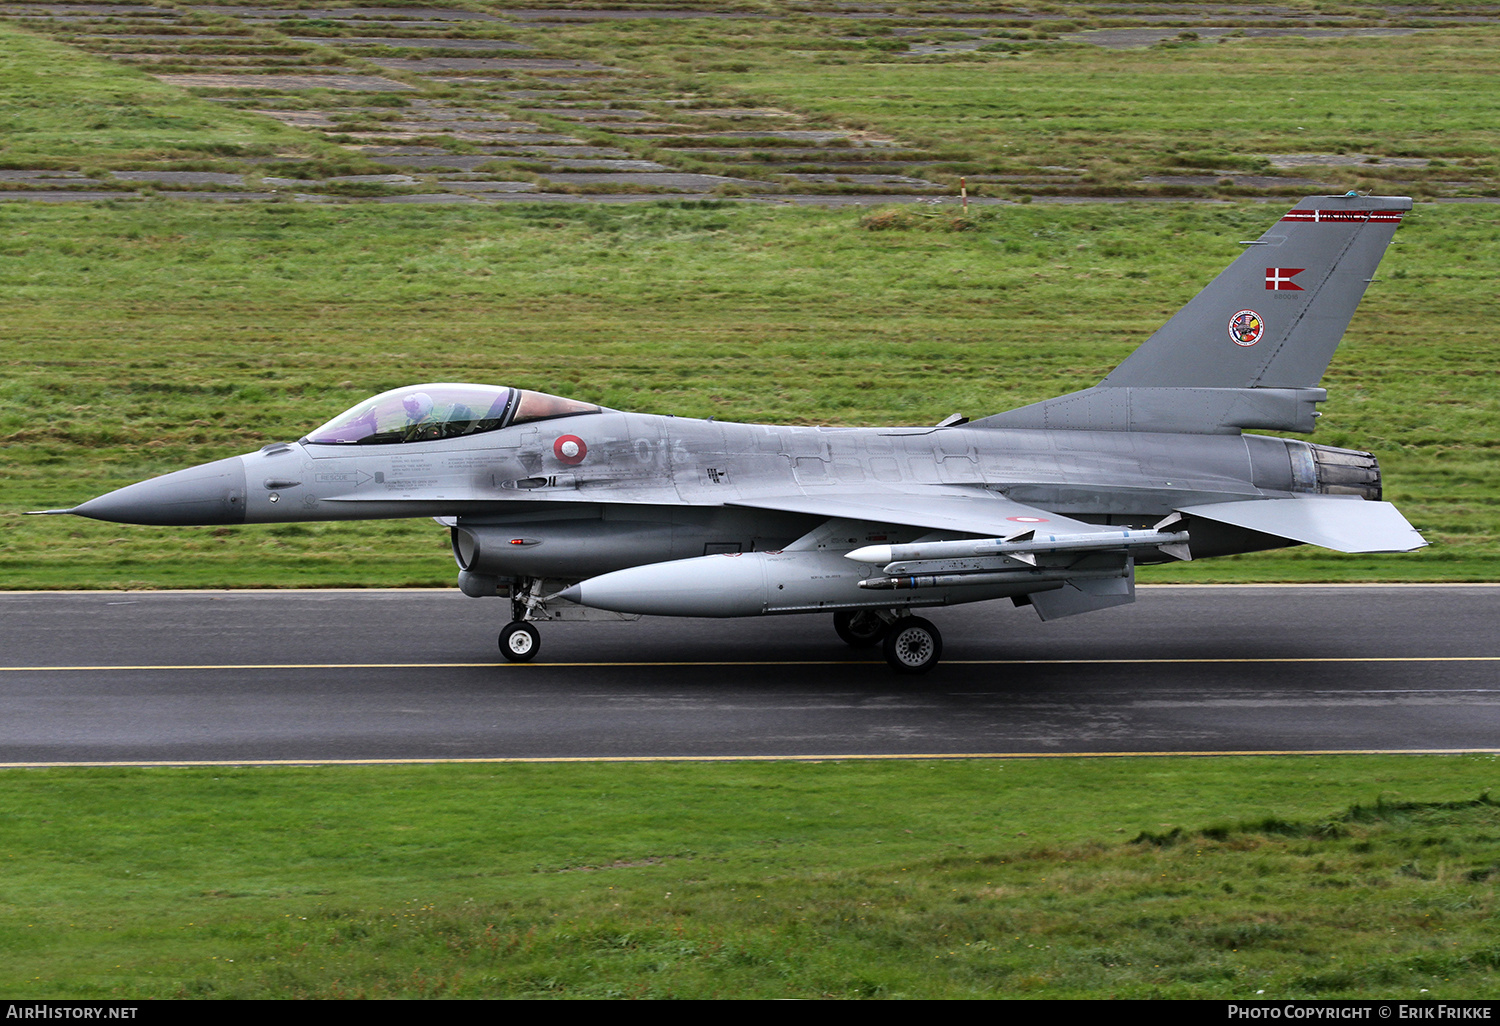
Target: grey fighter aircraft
[572, 511]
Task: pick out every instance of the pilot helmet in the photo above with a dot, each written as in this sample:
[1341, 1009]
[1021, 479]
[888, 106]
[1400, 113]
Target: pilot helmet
[418, 405]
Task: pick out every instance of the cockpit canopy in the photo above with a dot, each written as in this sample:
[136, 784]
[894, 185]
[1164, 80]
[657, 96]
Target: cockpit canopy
[424, 413]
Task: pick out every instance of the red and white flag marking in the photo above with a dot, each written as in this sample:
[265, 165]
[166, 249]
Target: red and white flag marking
[1279, 279]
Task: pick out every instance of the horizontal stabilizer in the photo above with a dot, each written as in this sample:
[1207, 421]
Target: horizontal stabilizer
[1341, 523]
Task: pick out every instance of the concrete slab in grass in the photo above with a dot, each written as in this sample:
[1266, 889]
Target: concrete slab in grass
[290, 83]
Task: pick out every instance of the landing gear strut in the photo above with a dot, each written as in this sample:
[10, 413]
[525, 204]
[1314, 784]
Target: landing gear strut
[519, 641]
[535, 600]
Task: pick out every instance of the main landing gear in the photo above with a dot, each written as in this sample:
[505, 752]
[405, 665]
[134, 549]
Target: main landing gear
[911, 644]
[860, 628]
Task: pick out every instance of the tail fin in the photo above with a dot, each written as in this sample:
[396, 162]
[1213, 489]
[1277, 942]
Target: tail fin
[1249, 350]
[1273, 318]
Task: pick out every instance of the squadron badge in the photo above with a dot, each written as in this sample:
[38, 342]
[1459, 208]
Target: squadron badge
[1246, 328]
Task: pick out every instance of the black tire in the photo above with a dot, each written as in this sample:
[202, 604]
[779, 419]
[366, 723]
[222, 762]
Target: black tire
[520, 642]
[860, 628]
[913, 645]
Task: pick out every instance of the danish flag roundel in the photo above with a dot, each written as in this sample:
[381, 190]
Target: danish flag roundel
[570, 449]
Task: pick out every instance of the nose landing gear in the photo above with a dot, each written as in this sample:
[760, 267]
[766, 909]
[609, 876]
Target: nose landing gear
[520, 641]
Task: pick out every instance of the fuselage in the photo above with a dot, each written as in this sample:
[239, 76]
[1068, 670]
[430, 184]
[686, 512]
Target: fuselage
[641, 459]
[608, 489]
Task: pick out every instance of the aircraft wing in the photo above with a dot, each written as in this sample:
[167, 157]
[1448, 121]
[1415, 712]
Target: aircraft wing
[1342, 523]
[940, 508]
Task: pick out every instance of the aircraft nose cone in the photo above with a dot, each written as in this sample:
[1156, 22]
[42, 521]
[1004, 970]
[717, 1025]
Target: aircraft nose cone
[211, 494]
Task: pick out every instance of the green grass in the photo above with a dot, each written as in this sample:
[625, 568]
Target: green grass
[142, 339]
[1182, 107]
[1296, 877]
[62, 109]
[1120, 114]
[1018, 107]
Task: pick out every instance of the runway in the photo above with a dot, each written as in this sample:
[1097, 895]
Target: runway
[329, 676]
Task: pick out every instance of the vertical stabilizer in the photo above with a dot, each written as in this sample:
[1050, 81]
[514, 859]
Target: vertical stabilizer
[1273, 318]
[1248, 351]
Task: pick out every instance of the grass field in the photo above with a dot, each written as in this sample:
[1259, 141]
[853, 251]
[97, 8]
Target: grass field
[63, 109]
[1035, 110]
[1272, 878]
[1117, 116]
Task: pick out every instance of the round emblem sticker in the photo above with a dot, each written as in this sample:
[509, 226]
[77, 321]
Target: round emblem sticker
[1246, 328]
[570, 449]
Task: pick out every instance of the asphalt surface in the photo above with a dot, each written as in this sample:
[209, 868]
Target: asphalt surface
[147, 677]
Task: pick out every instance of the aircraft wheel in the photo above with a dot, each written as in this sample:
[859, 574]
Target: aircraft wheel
[519, 642]
[860, 628]
[913, 645]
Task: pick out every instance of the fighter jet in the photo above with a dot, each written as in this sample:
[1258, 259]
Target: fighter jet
[569, 510]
